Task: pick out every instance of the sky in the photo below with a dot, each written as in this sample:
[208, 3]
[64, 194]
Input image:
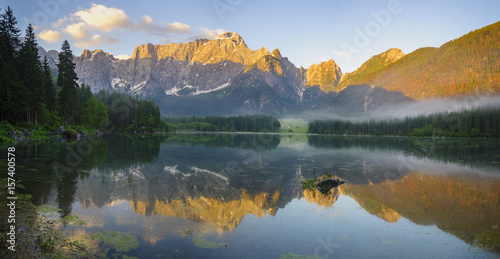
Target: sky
[306, 32]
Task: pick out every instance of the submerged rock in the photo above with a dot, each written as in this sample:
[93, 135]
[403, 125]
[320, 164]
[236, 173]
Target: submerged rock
[328, 184]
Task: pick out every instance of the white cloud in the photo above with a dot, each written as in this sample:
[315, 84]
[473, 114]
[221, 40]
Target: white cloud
[146, 19]
[178, 27]
[96, 40]
[78, 31]
[50, 36]
[147, 24]
[207, 33]
[88, 27]
[123, 57]
[104, 18]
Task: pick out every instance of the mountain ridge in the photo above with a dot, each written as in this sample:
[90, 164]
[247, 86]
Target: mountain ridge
[263, 81]
[467, 65]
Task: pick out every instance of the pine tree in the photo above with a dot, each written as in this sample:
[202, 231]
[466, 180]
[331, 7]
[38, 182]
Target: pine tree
[48, 85]
[66, 80]
[12, 91]
[30, 70]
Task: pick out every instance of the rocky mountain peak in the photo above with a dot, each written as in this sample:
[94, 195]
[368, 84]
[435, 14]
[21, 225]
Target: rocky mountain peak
[276, 54]
[231, 36]
[228, 46]
[325, 75]
[371, 66]
[392, 55]
[89, 54]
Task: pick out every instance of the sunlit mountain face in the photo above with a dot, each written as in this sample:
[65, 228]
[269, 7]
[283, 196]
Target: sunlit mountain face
[174, 192]
[224, 76]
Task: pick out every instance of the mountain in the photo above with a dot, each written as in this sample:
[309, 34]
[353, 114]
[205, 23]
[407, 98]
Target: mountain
[220, 76]
[464, 66]
[371, 66]
[52, 56]
[190, 68]
[326, 75]
[223, 76]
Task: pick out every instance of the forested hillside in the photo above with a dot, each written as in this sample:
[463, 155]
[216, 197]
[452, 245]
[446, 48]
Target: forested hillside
[473, 123]
[247, 123]
[464, 66]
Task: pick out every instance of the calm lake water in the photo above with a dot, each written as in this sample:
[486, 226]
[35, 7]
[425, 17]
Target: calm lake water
[239, 196]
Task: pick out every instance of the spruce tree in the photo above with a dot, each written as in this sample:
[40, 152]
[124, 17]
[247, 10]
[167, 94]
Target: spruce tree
[30, 70]
[66, 80]
[48, 85]
[12, 92]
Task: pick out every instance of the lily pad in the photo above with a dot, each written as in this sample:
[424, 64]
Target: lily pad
[47, 209]
[200, 241]
[73, 220]
[487, 240]
[120, 241]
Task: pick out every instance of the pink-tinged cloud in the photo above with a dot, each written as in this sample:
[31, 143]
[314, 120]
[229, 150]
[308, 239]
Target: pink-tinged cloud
[104, 18]
[50, 36]
[147, 24]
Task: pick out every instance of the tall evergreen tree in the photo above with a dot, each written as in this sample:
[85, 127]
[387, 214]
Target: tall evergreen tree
[30, 70]
[48, 85]
[12, 91]
[66, 80]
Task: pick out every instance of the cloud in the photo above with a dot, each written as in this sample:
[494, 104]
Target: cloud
[123, 57]
[96, 40]
[147, 24]
[104, 18]
[90, 26]
[50, 36]
[78, 31]
[208, 34]
[62, 21]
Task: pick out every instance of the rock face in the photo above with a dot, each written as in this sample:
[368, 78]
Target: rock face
[190, 68]
[326, 75]
[52, 56]
[228, 46]
[220, 76]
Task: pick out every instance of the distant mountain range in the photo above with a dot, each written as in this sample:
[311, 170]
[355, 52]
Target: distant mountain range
[224, 76]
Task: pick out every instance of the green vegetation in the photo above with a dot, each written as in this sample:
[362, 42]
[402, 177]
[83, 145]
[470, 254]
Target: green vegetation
[30, 101]
[37, 236]
[128, 113]
[310, 184]
[472, 123]
[371, 66]
[200, 241]
[247, 123]
[116, 240]
[487, 240]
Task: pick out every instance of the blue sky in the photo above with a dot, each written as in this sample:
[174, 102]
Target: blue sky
[306, 32]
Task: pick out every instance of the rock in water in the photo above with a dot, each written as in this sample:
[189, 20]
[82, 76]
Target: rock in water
[328, 184]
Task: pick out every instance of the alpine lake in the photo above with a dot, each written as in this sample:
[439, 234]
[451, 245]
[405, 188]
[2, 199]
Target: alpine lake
[229, 195]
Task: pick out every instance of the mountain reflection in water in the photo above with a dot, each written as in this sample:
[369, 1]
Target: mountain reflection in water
[153, 187]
